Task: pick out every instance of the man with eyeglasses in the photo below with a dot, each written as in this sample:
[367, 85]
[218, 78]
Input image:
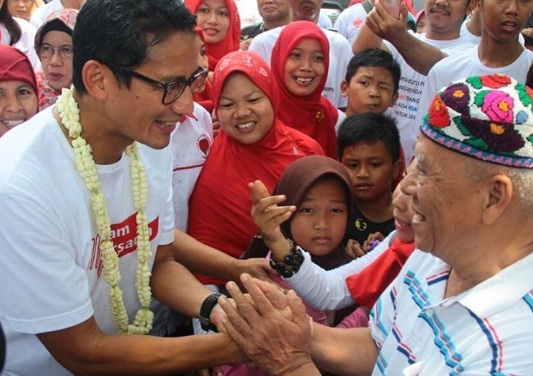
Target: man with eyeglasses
[87, 223]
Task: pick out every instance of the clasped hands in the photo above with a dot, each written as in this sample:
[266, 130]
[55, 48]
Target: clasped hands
[271, 327]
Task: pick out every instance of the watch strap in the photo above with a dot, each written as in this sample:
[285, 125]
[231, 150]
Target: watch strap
[205, 312]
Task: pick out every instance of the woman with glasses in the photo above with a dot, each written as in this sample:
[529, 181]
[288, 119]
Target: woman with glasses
[18, 33]
[53, 43]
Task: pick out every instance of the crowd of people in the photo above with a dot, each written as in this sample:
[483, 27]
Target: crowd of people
[342, 199]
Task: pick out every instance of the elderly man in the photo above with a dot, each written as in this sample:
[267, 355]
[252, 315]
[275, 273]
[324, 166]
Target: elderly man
[463, 302]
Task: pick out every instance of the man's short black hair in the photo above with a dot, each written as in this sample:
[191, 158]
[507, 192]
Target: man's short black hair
[120, 33]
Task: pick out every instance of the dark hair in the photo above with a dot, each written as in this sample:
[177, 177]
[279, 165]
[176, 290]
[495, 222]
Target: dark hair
[374, 57]
[369, 128]
[12, 26]
[54, 25]
[120, 33]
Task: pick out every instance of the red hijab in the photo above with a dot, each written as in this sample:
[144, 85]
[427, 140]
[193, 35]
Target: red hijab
[220, 205]
[312, 114]
[232, 40]
[15, 66]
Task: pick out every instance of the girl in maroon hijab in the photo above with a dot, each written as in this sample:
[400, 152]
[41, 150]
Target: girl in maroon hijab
[300, 61]
[252, 144]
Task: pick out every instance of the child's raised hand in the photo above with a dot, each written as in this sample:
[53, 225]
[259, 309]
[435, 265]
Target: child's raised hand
[354, 249]
[373, 240]
[266, 213]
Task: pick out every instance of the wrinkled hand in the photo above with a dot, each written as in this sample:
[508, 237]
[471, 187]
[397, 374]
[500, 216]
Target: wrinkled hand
[273, 329]
[266, 213]
[384, 25]
[218, 315]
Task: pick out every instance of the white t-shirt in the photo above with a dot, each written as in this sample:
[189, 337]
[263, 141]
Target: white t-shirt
[410, 90]
[326, 290]
[340, 53]
[191, 142]
[485, 330]
[459, 66]
[26, 41]
[41, 13]
[350, 21]
[51, 276]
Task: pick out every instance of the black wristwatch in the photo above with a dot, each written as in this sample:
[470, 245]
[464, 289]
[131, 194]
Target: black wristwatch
[205, 312]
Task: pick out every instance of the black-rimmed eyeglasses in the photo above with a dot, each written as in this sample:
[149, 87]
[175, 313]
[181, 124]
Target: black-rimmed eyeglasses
[174, 89]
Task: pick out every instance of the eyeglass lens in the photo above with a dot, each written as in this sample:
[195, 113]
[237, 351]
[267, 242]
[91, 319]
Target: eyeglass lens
[173, 92]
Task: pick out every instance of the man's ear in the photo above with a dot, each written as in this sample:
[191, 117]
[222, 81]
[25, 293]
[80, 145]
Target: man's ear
[498, 196]
[344, 88]
[96, 77]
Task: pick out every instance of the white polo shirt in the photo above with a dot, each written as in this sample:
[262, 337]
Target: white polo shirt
[487, 330]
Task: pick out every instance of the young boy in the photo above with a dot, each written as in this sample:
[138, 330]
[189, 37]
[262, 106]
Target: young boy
[371, 83]
[368, 145]
[499, 51]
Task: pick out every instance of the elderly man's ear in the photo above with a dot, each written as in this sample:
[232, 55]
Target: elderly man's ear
[499, 194]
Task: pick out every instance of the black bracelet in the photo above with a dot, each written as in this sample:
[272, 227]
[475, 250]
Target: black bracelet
[290, 264]
[205, 312]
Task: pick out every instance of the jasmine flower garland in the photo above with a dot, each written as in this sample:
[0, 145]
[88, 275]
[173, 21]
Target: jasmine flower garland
[70, 116]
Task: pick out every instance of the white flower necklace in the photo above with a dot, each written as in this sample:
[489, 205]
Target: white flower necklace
[70, 116]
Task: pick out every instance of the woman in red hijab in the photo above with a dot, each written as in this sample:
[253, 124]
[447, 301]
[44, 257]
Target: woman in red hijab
[18, 89]
[252, 144]
[300, 61]
[220, 27]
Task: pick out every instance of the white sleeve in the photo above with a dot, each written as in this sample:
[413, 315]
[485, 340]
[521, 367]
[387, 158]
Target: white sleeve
[327, 289]
[167, 217]
[260, 46]
[47, 289]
